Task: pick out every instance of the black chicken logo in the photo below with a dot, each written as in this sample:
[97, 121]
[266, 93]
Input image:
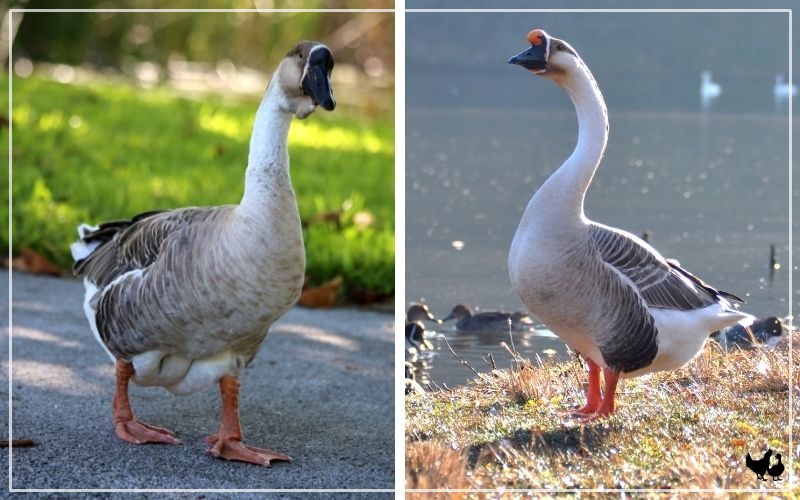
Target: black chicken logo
[764, 466]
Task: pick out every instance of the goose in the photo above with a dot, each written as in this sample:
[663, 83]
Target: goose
[709, 90]
[781, 90]
[608, 294]
[489, 321]
[183, 298]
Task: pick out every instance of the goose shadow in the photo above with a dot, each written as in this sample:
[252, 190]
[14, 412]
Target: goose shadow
[321, 390]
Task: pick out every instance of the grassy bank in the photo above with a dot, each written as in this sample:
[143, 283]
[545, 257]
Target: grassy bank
[689, 428]
[104, 152]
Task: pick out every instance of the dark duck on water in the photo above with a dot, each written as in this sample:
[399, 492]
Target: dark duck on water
[489, 321]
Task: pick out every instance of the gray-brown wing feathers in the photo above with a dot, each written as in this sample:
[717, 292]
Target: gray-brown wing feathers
[135, 244]
[626, 334]
[661, 284]
[133, 315]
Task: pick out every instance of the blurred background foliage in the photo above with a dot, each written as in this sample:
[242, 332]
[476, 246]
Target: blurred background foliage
[115, 113]
[254, 39]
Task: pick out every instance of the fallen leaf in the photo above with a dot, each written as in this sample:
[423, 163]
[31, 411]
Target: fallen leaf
[323, 295]
[33, 262]
[747, 427]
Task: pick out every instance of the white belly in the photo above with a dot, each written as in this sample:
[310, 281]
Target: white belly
[682, 334]
[181, 375]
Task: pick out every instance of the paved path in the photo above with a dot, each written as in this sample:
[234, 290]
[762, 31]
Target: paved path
[320, 390]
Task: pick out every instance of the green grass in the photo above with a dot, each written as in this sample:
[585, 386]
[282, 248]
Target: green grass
[103, 152]
[690, 428]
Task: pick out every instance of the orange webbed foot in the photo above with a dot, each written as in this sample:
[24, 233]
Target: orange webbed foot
[588, 418]
[234, 449]
[605, 410]
[126, 426]
[583, 411]
[135, 432]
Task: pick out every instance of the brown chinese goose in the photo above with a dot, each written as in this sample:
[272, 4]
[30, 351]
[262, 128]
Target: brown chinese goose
[183, 299]
[609, 295]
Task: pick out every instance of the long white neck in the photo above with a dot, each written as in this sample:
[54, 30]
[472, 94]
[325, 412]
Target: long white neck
[560, 199]
[267, 176]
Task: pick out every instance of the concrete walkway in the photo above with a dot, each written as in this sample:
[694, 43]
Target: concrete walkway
[321, 390]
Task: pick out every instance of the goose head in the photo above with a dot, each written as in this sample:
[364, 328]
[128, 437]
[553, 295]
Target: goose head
[304, 79]
[547, 56]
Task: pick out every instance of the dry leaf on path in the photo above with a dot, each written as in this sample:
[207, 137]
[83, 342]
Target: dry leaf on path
[323, 295]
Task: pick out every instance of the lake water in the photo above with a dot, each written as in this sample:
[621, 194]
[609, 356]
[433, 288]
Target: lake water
[711, 187]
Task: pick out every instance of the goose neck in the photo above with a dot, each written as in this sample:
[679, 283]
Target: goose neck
[592, 127]
[268, 159]
[561, 196]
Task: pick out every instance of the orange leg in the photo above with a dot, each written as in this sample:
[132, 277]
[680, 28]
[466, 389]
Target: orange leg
[593, 396]
[607, 404]
[227, 443]
[127, 427]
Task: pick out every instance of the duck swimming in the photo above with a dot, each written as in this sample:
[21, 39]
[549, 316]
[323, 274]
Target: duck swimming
[489, 321]
[609, 295]
[416, 340]
[767, 331]
[421, 313]
[412, 387]
[183, 299]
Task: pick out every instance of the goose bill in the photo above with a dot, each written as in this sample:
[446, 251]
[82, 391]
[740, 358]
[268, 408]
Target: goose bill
[316, 82]
[533, 59]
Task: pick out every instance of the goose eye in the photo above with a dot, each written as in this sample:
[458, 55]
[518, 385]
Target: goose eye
[559, 46]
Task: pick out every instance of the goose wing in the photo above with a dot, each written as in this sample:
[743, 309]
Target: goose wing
[621, 323]
[661, 283]
[128, 310]
[126, 245]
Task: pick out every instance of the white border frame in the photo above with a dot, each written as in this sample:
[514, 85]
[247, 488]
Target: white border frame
[399, 243]
[399, 13]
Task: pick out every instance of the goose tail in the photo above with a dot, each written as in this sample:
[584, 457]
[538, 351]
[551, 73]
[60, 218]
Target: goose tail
[724, 299]
[82, 248]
